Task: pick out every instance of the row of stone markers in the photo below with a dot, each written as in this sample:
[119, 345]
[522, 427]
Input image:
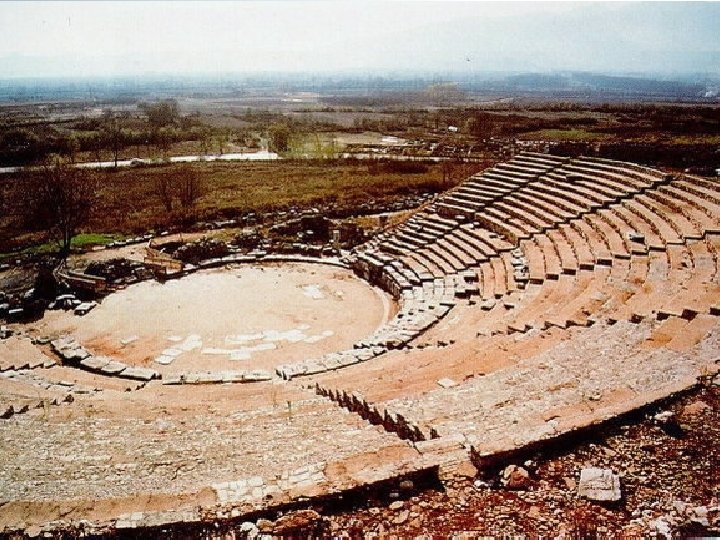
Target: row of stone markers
[329, 362]
[217, 377]
[21, 405]
[76, 355]
[17, 364]
[417, 315]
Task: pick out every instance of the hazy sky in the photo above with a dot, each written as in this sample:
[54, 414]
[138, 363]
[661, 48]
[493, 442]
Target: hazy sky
[121, 38]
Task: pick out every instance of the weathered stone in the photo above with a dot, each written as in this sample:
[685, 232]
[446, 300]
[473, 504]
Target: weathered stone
[402, 517]
[264, 525]
[95, 363]
[249, 529]
[466, 470]
[599, 485]
[258, 375]
[663, 417]
[694, 409]
[113, 368]
[515, 477]
[84, 308]
[140, 374]
[173, 379]
[296, 520]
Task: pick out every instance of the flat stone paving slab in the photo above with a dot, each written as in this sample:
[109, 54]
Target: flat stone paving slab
[113, 368]
[95, 363]
[140, 374]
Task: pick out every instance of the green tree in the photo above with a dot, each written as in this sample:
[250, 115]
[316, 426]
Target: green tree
[20, 145]
[279, 137]
[73, 147]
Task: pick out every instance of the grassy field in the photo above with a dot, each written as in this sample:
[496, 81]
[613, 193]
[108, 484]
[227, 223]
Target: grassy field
[564, 135]
[128, 201]
[80, 241]
[689, 139]
[129, 198]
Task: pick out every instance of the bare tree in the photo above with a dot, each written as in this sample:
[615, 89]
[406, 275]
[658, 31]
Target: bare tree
[4, 188]
[184, 183]
[190, 188]
[164, 190]
[62, 200]
[205, 141]
[222, 139]
[112, 133]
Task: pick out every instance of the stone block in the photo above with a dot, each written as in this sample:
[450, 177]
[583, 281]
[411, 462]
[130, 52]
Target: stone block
[140, 374]
[600, 485]
[258, 375]
[174, 379]
[255, 481]
[515, 477]
[232, 376]
[113, 368]
[94, 363]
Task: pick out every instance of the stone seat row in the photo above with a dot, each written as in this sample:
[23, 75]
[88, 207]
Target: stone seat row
[608, 233]
[649, 216]
[501, 276]
[462, 248]
[16, 364]
[547, 394]
[634, 217]
[530, 204]
[494, 183]
[593, 179]
[680, 283]
[328, 362]
[50, 386]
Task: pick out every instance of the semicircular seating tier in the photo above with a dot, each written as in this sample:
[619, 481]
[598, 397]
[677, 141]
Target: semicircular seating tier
[545, 241]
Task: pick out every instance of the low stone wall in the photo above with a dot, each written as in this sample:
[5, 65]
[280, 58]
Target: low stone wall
[161, 262]
[330, 362]
[79, 281]
[76, 355]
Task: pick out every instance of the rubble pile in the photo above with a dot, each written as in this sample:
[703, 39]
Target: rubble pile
[118, 270]
[201, 250]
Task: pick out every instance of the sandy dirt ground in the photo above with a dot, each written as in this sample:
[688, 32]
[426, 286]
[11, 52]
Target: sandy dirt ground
[232, 318]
